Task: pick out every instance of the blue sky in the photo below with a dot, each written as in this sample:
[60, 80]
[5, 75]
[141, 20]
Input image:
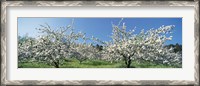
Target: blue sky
[100, 27]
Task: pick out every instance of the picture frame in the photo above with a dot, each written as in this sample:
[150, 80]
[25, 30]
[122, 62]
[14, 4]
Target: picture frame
[4, 38]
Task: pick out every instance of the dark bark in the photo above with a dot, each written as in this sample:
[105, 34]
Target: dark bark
[127, 59]
[80, 62]
[56, 64]
[129, 63]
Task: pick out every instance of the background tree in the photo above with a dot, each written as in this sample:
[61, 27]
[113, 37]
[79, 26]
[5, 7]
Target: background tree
[84, 51]
[99, 47]
[25, 48]
[177, 47]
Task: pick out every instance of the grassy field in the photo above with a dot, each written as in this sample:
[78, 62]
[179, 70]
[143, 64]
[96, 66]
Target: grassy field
[73, 63]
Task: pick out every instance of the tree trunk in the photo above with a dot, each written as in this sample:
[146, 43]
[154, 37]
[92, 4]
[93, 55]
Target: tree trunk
[80, 62]
[128, 62]
[56, 64]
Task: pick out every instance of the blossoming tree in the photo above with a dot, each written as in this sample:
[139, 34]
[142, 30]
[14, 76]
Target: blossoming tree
[25, 48]
[53, 46]
[83, 51]
[148, 45]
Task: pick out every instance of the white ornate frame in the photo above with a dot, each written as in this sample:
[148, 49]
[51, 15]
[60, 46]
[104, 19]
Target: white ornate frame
[5, 4]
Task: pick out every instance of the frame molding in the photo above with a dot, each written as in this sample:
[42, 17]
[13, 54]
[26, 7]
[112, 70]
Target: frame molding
[4, 5]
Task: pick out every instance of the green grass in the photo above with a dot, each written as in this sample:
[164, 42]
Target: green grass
[73, 63]
[34, 65]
